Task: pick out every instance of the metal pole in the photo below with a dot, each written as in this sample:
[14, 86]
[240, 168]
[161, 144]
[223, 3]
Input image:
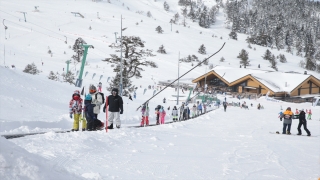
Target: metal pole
[179, 78]
[121, 61]
[79, 80]
[68, 61]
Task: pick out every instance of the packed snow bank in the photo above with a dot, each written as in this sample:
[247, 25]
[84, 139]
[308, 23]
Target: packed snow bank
[17, 163]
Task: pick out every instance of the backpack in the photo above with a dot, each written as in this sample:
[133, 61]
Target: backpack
[103, 100]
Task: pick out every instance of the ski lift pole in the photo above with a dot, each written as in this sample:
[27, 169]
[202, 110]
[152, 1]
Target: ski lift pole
[183, 75]
[68, 62]
[5, 29]
[79, 80]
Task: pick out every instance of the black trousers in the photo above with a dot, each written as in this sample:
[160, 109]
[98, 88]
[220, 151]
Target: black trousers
[304, 123]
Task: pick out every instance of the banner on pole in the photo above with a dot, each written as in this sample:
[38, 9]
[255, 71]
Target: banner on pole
[154, 92]
[85, 74]
[93, 75]
[100, 77]
[108, 79]
[144, 91]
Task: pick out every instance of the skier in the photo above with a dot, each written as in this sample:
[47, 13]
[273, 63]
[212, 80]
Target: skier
[164, 100]
[157, 114]
[194, 109]
[287, 121]
[185, 113]
[115, 103]
[100, 87]
[225, 106]
[181, 109]
[309, 114]
[199, 109]
[297, 112]
[259, 106]
[97, 100]
[162, 115]
[303, 121]
[280, 115]
[75, 108]
[93, 123]
[145, 115]
[204, 108]
[135, 95]
[174, 114]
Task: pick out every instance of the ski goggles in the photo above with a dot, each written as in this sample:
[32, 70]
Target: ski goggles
[92, 91]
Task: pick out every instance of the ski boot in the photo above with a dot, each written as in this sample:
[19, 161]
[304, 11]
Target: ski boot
[118, 126]
[288, 132]
[111, 126]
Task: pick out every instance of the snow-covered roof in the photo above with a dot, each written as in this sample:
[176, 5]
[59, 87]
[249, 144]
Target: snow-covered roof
[232, 74]
[280, 82]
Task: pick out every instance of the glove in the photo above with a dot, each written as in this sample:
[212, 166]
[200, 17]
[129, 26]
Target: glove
[121, 112]
[104, 110]
[70, 116]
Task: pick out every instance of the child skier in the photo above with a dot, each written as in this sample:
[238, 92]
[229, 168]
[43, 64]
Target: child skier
[175, 114]
[162, 115]
[75, 108]
[145, 115]
[194, 109]
[100, 87]
[309, 114]
[93, 123]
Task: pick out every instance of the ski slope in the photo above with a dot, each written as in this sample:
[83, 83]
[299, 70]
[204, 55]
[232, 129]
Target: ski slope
[219, 145]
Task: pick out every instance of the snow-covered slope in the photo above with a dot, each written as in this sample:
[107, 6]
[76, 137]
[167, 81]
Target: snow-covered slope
[218, 145]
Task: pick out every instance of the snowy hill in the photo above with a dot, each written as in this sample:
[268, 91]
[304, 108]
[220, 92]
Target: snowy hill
[218, 145]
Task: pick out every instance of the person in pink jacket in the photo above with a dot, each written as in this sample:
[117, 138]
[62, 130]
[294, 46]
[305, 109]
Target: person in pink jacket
[162, 115]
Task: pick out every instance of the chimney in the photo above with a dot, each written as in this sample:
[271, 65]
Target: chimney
[305, 72]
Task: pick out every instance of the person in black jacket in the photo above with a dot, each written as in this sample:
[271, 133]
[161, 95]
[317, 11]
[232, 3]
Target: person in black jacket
[115, 108]
[303, 121]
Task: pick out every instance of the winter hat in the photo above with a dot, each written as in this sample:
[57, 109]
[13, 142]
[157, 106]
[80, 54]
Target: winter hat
[76, 92]
[115, 90]
[289, 108]
[302, 109]
[92, 89]
[88, 97]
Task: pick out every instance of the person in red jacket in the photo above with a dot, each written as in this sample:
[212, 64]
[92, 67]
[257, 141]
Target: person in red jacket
[75, 109]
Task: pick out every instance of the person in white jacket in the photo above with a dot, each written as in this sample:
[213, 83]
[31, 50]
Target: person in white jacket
[97, 100]
[174, 114]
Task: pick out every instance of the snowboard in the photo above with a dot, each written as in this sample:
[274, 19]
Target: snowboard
[291, 134]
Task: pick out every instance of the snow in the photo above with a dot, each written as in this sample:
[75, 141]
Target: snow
[218, 145]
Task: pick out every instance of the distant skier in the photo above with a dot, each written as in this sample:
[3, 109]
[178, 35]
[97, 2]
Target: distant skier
[145, 115]
[100, 87]
[309, 114]
[162, 115]
[174, 114]
[199, 108]
[225, 106]
[194, 109]
[135, 95]
[75, 109]
[280, 115]
[181, 109]
[157, 114]
[164, 100]
[297, 112]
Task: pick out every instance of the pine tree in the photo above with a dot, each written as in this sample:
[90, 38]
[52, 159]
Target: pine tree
[52, 76]
[126, 83]
[273, 62]
[31, 69]
[176, 18]
[267, 55]
[244, 56]
[134, 58]
[162, 50]
[233, 35]
[68, 77]
[159, 30]
[310, 64]
[202, 50]
[78, 49]
[222, 59]
[282, 58]
[166, 6]
[149, 14]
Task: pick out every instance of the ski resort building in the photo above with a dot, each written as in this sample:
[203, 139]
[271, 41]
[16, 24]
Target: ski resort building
[277, 84]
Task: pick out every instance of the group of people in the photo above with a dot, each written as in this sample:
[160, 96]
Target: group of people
[93, 102]
[183, 113]
[308, 112]
[287, 121]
